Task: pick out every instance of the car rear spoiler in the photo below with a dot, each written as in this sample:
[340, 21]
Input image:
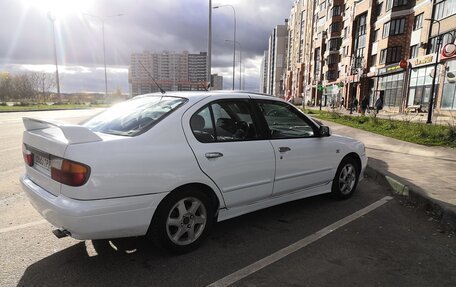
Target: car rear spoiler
[75, 134]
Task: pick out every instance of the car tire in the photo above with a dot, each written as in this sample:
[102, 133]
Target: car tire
[346, 179]
[182, 221]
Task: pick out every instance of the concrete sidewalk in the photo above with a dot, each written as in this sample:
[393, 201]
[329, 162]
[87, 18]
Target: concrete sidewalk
[437, 118]
[425, 175]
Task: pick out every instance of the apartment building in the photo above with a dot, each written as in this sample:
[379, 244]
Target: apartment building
[351, 49]
[171, 71]
[216, 82]
[276, 61]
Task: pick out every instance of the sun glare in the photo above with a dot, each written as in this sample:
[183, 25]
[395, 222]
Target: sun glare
[60, 8]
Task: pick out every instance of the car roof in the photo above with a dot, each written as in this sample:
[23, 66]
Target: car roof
[199, 95]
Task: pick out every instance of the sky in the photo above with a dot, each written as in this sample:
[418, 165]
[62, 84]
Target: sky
[26, 36]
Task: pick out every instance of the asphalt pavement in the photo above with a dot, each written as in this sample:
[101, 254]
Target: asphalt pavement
[424, 175]
[312, 242]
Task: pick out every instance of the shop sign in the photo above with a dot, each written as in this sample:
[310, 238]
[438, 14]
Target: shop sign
[423, 60]
[390, 69]
[448, 51]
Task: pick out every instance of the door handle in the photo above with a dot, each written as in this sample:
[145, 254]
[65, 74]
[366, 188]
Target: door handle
[284, 149]
[210, 155]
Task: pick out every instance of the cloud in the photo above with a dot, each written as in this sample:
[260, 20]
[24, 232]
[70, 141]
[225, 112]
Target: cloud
[145, 25]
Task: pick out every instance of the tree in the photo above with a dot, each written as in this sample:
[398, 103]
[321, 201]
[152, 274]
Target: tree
[44, 83]
[6, 87]
[24, 87]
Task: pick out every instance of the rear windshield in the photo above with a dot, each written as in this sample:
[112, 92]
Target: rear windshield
[135, 116]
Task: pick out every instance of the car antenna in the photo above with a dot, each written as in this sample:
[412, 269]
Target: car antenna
[161, 90]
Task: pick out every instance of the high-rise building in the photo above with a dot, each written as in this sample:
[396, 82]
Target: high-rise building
[276, 61]
[216, 82]
[171, 71]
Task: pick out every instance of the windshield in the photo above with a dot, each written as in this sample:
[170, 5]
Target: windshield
[135, 116]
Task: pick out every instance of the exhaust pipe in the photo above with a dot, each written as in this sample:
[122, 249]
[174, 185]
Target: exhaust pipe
[61, 233]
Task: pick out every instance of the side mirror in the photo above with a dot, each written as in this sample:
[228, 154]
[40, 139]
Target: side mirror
[324, 131]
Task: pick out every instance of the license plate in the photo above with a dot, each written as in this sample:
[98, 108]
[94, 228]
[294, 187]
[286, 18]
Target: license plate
[42, 161]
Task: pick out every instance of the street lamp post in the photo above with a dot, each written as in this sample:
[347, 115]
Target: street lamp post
[209, 44]
[240, 62]
[52, 19]
[439, 40]
[234, 38]
[102, 20]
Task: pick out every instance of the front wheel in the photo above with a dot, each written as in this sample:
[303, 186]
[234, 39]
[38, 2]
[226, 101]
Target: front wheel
[182, 221]
[346, 179]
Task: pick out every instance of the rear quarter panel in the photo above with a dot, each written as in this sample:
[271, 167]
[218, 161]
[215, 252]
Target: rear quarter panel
[157, 161]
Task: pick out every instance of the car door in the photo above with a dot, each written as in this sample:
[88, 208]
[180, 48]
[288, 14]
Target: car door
[304, 161]
[231, 149]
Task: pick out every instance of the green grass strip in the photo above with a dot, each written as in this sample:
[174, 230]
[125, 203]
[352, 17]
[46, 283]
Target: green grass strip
[419, 133]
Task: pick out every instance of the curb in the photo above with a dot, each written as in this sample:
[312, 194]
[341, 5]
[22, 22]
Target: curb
[442, 211]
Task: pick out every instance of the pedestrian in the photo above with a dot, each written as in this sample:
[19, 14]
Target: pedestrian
[364, 105]
[379, 102]
[355, 104]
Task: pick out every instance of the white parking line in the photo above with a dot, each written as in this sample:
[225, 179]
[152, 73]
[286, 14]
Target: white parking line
[268, 260]
[30, 224]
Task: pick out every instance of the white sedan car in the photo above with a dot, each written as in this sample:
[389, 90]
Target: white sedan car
[170, 165]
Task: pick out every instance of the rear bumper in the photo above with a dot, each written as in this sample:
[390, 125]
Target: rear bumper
[94, 219]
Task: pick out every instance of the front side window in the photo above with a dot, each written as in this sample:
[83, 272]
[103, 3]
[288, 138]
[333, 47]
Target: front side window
[284, 121]
[225, 121]
[135, 116]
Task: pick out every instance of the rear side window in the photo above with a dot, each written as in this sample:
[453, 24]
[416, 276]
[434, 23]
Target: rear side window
[225, 121]
[135, 116]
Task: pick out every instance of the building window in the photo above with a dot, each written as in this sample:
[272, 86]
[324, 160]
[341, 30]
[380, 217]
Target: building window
[390, 55]
[336, 11]
[345, 50]
[317, 62]
[359, 43]
[444, 9]
[394, 27]
[432, 44]
[334, 44]
[413, 51]
[345, 32]
[395, 3]
[333, 59]
[334, 27]
[321, 21]
[420, 86]
[392, 85]
[449, 87]
[418, 22]
[376, 34]
[323, 6]
[379, 9]
[373, 60]
[332, 75]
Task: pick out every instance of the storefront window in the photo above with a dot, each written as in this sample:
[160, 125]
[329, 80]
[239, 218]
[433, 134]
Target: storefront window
[392, 85]
[449, 88]
[420, 86]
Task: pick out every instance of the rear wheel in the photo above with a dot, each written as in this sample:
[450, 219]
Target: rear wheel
[346, 179]
[182, 221]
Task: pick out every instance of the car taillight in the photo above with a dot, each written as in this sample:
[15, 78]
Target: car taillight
[69, 172]
[28, 155]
